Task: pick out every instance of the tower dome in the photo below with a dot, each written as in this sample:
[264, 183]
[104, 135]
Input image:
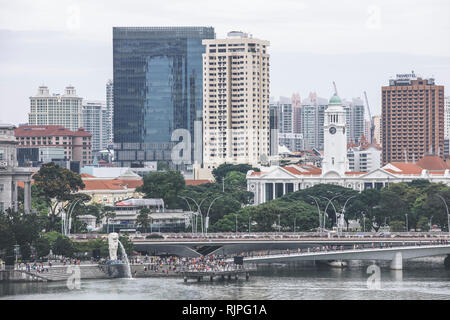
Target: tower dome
[335, 100]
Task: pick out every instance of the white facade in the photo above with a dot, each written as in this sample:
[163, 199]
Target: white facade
[447, 118]
[110, 111]
[48, 154]
[10, 174]
[235, 100]
[335, 138]
[96, 121]
[362, 159]
[277, 181]
[64, 110]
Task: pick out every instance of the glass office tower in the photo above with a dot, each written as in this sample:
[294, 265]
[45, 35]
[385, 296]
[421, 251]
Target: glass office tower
[158, 88]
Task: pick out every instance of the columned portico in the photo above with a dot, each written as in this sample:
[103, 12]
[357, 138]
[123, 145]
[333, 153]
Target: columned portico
[10, 174]
[292, 182]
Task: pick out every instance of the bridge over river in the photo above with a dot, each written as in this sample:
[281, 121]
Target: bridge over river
[393, 249]
[394, 254]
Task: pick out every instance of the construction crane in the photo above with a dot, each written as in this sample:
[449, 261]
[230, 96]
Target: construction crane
[372, 125]
[335, 89]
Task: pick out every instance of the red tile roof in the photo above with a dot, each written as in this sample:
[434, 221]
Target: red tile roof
[46, 131]
[406, 168]
[111, 184]
[197, 182]
[432, 163]
[292, 170]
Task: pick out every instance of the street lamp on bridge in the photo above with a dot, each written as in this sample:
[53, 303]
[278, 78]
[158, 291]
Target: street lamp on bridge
[207, 214]
[325, 212]
[448, 215]
[320, 216]
[343, 208]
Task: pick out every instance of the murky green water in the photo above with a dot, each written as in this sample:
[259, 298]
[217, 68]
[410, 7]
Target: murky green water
[425, 279]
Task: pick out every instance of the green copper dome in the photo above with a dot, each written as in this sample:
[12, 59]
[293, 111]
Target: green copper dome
[335, 100]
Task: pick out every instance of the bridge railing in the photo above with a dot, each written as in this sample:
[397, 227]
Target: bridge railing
[340, 248]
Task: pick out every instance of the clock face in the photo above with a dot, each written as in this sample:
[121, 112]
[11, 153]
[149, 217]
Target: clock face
[332, 130]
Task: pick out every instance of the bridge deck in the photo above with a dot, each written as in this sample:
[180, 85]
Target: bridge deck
[408, 252]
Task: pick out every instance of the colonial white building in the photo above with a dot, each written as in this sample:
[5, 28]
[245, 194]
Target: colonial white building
[10, 174]
[274, 182]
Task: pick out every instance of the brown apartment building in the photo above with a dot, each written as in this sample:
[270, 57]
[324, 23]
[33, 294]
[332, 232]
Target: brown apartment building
[412, 119]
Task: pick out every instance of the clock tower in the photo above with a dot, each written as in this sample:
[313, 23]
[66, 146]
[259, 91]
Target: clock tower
[335, 138]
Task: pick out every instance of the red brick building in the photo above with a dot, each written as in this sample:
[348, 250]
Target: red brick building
[77, 144]
[412, 119]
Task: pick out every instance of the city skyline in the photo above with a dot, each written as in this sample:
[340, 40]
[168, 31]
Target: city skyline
[360, 47]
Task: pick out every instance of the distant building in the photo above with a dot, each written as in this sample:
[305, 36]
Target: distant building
[274, 129]
[109, 130]
[161, 219]
[364, 157]
[158, 88]
[77, 145]
[64, 110]
[297, 113]
[236, 100]
[292, 141]
[377, 129]
[108, 191]
[412, 118]
[97, 121]
[312, 115]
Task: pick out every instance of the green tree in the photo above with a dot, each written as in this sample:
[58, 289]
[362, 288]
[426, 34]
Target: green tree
[63, 246]
[165, 185]
[423, 224]
[56, 185]
[397, 226]
[162, 166]
[127, 244]
[222, 170]
[236, 179]
[143, 219]
[17, 228]
[42, 246]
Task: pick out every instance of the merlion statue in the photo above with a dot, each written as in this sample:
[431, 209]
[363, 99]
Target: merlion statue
[113, 242]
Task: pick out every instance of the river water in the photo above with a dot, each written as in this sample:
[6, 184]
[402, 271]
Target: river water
[420, 279]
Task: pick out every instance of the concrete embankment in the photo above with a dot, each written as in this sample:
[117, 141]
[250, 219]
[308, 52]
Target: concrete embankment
[62, 273]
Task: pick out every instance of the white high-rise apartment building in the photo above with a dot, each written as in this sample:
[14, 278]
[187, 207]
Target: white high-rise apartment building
[447, 118]
[96, 121]
[56, 109]
[110, 109]
[235, 100]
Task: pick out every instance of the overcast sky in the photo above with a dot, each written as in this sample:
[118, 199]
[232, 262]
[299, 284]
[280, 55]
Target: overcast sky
[358, 44]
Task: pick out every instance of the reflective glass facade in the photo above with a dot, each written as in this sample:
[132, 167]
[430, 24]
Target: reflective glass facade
[158, 87]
